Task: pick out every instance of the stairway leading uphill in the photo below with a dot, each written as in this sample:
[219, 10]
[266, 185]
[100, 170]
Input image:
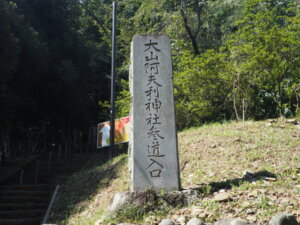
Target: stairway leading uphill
[25, 196]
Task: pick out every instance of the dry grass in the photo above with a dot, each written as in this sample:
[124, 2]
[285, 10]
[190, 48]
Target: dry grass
[224, 151]
[214, 157]
[86, 195]
[212, 160]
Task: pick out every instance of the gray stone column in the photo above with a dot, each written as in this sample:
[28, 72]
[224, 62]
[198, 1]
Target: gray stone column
[154, 153]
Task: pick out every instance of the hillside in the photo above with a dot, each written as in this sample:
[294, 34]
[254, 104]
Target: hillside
[241, 169]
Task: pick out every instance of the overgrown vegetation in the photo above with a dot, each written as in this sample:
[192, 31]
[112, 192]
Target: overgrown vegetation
[213, 160]
[137, 214]
[232, 60]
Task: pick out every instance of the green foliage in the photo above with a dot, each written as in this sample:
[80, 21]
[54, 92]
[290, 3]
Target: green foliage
[123, 100]
[255, 74]
[201, 88]
[265, 50]
[253, 71]
[52, 71]
[130, 213]
[55, 59]
[122, 103]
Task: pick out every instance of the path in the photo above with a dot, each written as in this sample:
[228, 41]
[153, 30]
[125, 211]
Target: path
[26, 204]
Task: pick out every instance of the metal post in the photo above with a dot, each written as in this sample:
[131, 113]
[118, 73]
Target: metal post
[49, 161]
[70, 146]
[59, 154]
[21, 177]
[80, 142]
[66, 150]
[89, 140]
[46, 217]
[113, 75]
[37, 166]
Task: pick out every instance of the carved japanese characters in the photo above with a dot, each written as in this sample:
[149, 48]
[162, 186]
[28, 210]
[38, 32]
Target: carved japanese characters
[154, 141]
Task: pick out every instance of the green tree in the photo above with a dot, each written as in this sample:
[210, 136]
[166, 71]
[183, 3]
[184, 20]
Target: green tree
[265, 49]
[201, 88]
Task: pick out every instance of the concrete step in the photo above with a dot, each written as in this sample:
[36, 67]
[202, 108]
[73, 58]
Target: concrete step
[21, 214]
[22, 199]
[26, 204]
[30, 221]
[23, 206]
[26, 193]
[27, 180]
[32, 177]
[27, 187]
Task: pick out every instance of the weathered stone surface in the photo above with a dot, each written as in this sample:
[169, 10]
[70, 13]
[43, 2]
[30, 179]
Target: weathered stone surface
[137, 198]
[191, 196]
[98, 222]
[125, 224]
[195, 221]
[166, 222]
[181, 220]
[251, 218]
[233, 221]
[245, 204]
[292, 121]
[151, 197]
[120, 199]
[174, 198]
[195, 211]
[180, 198]
[151, 220]
[140, 198]
[222, 197]
[283, 219]
[250, 211]
[153, 141]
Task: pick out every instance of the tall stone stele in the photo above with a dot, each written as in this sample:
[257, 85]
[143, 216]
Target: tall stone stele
[153, 141]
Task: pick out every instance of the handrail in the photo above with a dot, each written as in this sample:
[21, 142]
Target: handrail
[46, 217]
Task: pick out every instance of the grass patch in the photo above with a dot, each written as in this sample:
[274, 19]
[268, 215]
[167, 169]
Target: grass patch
[85, 195]
[134, 214]
[222, 152]
[213, 159]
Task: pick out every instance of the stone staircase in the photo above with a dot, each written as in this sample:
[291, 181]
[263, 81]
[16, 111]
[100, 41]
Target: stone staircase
[25, 196]
[23, 204]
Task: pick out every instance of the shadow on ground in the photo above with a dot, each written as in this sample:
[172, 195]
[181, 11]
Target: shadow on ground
[74, 194]
[230, 183]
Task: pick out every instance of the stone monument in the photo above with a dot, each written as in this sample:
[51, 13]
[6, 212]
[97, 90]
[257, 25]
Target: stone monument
[154, 153]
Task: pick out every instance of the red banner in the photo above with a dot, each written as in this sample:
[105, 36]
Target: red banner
[121, 132]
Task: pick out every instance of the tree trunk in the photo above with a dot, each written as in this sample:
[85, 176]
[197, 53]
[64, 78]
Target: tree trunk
[190, 33]
[281, 109]
[235, 109]
[3, 155]
[244, 109]
[234, 91]
[298, 6]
